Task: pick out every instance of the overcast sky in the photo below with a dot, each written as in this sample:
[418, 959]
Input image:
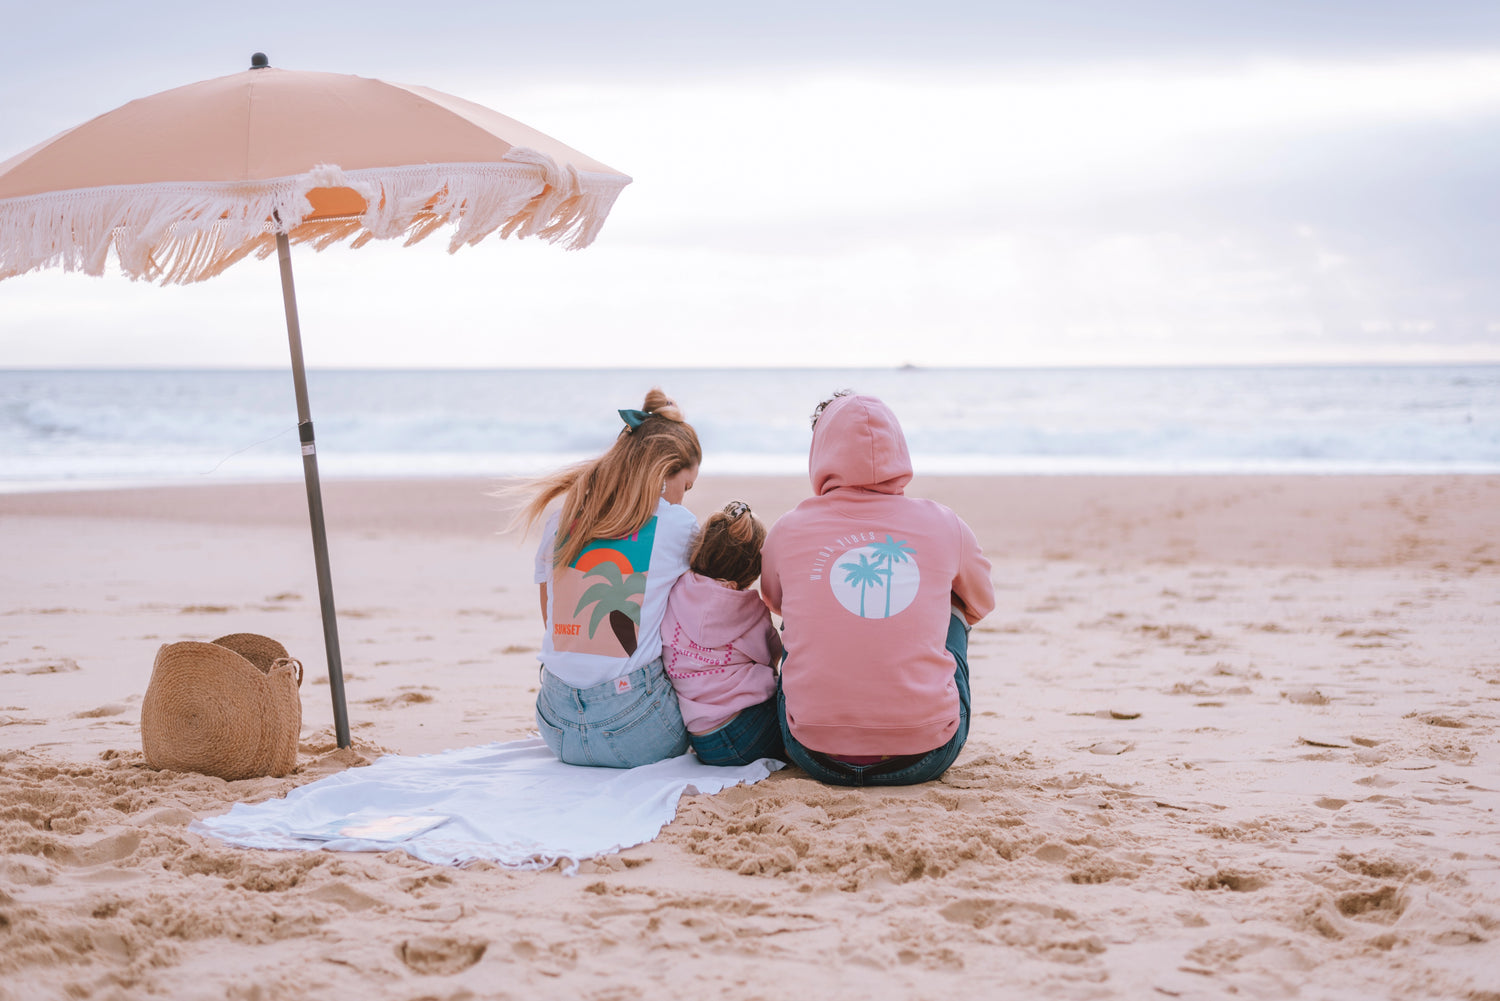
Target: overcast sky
[994, 183]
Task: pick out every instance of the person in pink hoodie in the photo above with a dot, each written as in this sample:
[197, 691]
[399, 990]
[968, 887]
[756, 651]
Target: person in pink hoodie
[877, 592]
[720, 647]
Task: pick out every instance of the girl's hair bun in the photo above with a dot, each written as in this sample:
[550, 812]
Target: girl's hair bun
[741, 522]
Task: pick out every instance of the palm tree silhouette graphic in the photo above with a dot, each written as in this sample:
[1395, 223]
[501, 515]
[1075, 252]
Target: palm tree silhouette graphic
[864, 573]
[612, 596]
[889, 553]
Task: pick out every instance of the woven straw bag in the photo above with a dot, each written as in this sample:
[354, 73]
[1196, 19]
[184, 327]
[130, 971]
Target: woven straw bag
[229, 708]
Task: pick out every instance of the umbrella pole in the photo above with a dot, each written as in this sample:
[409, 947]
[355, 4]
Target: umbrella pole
[314, 495]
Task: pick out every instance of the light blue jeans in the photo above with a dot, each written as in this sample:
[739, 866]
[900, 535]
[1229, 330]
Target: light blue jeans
[633, 720]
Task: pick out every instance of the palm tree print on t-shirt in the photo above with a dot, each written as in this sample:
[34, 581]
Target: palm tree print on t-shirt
[606, 582]
[613, 597]
[890, 566]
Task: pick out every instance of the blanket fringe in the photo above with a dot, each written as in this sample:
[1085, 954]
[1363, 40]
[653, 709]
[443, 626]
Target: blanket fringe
[175, 234]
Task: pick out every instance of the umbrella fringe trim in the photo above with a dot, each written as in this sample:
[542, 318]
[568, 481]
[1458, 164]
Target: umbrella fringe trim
[178, 233]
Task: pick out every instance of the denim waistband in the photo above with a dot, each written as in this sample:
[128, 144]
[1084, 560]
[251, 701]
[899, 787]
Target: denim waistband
[893, 763]
[625, 686]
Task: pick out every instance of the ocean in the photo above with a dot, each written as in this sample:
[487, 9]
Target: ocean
[94, 428]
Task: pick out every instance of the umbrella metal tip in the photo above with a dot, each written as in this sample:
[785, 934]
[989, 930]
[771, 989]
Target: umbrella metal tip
[258, 61]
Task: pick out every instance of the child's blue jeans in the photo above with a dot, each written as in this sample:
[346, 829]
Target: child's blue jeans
[754, 734]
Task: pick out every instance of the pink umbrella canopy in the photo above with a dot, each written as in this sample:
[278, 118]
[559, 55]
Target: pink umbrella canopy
[184, 183]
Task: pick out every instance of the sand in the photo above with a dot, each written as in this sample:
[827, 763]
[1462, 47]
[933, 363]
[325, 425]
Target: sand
[1234, 736]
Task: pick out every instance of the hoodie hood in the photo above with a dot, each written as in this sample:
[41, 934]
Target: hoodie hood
[858, 443]
[715, 615]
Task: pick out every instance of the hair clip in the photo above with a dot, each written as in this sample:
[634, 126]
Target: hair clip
[634, 418]
[736, 508]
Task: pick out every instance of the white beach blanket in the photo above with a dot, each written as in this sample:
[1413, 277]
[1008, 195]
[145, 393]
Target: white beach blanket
[514, 804]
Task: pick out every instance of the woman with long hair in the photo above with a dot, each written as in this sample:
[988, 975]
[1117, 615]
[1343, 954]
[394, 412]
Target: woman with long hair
[609, 556]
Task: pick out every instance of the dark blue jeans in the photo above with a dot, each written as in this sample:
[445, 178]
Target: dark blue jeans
[754, 734]
[925, 768]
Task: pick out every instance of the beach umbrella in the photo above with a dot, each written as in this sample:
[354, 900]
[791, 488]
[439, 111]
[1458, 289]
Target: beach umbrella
[182, 184]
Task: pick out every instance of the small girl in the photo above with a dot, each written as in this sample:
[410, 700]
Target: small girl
[719, 646]
[607, 560]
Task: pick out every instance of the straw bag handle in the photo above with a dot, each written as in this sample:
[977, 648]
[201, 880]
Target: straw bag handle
[288, 662]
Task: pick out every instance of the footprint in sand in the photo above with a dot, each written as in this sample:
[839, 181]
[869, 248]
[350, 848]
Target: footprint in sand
[1325, 740]
[1227, 879]
[110, 848]
[1383, 905]
[1378, 867]
[322, 679]
[65, 665]
[396, 701]
[345, 896]
[1376, 781]
[6, 719]
[433, 954]
[1051, 851]
[108, 709]
[1435, 719]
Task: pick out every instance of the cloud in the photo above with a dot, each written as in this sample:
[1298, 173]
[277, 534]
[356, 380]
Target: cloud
[1182, 183]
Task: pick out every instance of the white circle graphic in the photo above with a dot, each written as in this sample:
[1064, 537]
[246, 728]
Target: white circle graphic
[876, 581]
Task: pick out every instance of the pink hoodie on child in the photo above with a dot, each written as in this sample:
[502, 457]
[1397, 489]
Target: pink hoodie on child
[865, 580]
[719, 648]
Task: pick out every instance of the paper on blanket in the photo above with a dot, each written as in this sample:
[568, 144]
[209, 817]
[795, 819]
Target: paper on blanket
[370, 825]
[514, 804]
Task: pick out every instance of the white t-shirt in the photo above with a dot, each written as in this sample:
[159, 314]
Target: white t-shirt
[604, 612]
